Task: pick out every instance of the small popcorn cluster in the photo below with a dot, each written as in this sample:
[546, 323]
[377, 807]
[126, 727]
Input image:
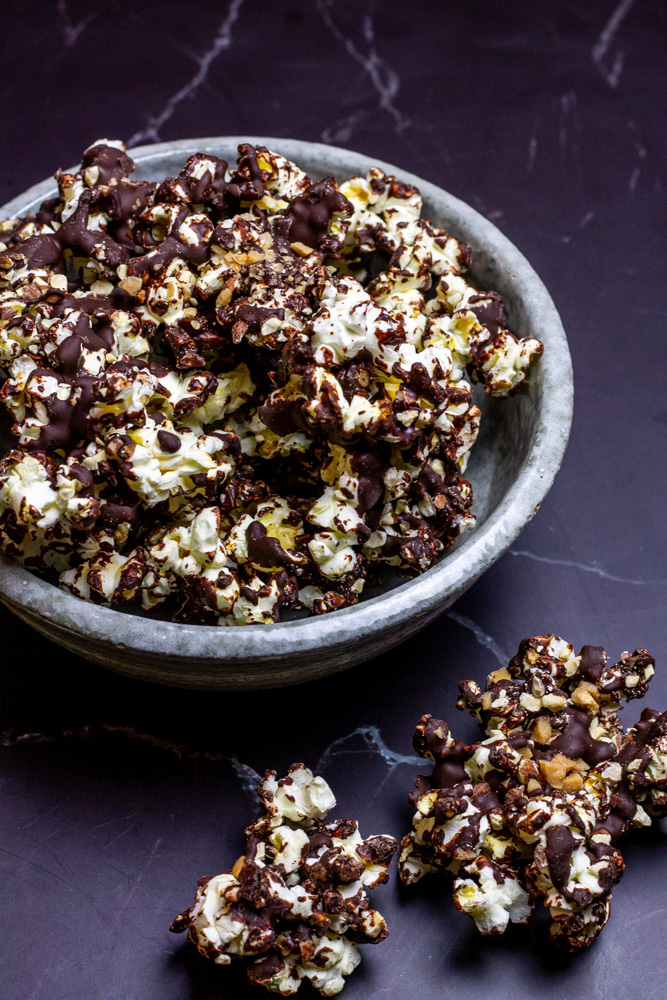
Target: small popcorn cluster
[534, 809]
[238, 390]
[294, 904]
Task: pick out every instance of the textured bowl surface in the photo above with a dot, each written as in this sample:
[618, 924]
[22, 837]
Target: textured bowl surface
[517, 455]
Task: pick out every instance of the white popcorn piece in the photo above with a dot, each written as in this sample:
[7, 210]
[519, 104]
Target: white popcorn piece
[300, 797]
[492, 897]
[39, 495]
[156, 472]
[349, 322]
[105, 575]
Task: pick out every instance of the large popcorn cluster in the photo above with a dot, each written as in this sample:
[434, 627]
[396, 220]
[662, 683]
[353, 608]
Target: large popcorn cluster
[534, 809]
[238, 389]
[295, 903]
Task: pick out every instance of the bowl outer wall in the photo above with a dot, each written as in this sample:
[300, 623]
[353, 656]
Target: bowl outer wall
[290, 652]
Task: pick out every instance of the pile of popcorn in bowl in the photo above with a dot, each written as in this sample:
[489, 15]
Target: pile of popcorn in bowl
[239, 391]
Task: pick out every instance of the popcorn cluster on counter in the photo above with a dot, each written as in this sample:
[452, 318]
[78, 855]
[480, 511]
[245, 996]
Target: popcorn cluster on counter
[238, 390]
[295, 903]
[533, 810]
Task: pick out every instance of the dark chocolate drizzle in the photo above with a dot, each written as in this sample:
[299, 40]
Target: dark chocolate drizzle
[576, 741]
[263, 550]
[169, 442]
[592, 663]
[310, 214]
[560, 847]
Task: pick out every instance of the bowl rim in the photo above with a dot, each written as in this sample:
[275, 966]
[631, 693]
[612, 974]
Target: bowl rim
[416, 597]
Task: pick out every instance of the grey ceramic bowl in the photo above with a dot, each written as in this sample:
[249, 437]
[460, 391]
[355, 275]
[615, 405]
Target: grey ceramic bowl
[513, 465]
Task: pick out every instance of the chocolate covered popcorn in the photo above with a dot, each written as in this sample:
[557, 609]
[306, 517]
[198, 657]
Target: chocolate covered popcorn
[533, 811]
[294, 905]
[241, 390]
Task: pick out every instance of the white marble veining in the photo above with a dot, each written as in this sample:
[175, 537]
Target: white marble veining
[480, 635]
[385, 80]
[586, 569]
[221, 42]
[532, 153]
[343, 128]
[611, 72]
[368, 740]
[372, 742]
[72, 30]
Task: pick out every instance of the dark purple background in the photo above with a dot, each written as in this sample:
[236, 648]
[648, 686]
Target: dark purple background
[547, 118]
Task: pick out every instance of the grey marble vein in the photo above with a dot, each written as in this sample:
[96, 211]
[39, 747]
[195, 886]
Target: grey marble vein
[611, 74]
[385, 80]
[586, 569]
[372, 742]
[342, 129]
[248, 777]
[11, 738]
[532, 153]
[72, 31]
[222, 41]
[480, 635]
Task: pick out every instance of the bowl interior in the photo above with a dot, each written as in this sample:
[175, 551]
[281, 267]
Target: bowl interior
[507, 426]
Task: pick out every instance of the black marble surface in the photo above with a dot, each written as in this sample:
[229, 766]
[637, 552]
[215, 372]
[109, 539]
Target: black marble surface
[115, 796]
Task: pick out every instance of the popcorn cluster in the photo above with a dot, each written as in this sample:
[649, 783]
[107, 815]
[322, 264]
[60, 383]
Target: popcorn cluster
[534, 809]
[239, 389]
[295, 903]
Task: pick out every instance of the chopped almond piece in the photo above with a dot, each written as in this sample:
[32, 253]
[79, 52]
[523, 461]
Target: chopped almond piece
[131, 285]
[502, 674]
[582, 697]
[542, 732]
[556, 769]
[573, 782]
[302, 249]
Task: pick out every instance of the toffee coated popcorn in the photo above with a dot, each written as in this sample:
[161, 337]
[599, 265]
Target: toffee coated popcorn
[534, 809]
[294, 905]
[239, 390]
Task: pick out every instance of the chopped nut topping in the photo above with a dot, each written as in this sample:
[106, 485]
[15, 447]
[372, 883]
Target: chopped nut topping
[554, 702]
[131, 285]
[502, 674]
[555, 770]
[583, 696]
[302, 249]
[542, 731]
